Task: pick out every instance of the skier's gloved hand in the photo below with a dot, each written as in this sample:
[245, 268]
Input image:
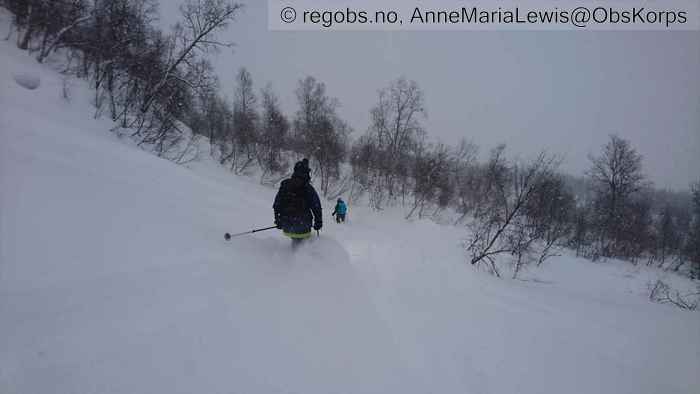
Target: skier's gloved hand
[318, 225]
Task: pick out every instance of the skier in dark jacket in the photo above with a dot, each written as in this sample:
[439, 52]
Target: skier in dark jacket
[340, 210]
[297, 205]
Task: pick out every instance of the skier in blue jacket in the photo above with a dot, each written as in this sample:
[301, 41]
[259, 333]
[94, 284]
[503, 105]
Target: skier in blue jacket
[341, 209]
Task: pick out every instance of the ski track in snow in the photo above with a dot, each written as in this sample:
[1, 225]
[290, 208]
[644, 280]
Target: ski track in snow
[114, 278]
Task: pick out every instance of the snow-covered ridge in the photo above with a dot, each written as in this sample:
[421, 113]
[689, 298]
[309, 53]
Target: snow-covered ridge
[114, 278]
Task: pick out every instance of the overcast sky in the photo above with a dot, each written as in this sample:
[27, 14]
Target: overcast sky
[561, 91]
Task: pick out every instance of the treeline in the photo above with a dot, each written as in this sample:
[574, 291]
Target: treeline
[143, 78]
[253, 132]
[523, 211]
[519, 212]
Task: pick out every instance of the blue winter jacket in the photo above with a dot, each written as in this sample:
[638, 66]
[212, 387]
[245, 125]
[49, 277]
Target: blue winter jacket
[341, 208]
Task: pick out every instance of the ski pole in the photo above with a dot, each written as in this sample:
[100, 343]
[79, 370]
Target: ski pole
[228, 236]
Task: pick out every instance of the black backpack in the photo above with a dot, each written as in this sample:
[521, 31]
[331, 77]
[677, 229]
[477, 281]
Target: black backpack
[293, 198]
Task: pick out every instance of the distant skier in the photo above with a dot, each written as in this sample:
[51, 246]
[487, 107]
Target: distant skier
[297, 205]
[341, 209]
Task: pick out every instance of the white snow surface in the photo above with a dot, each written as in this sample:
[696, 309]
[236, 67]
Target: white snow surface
[115, 278]
[27, 81]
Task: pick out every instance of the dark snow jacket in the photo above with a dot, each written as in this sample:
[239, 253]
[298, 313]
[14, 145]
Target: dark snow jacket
[297, 206]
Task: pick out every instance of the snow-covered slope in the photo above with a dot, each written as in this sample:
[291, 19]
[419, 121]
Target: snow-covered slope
[115, 278]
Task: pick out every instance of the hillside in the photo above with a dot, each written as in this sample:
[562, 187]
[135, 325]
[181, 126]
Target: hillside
[115, 278]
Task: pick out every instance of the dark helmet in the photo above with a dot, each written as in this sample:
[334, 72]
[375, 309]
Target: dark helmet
[303, 164]
[340, 200]
[302, 170]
